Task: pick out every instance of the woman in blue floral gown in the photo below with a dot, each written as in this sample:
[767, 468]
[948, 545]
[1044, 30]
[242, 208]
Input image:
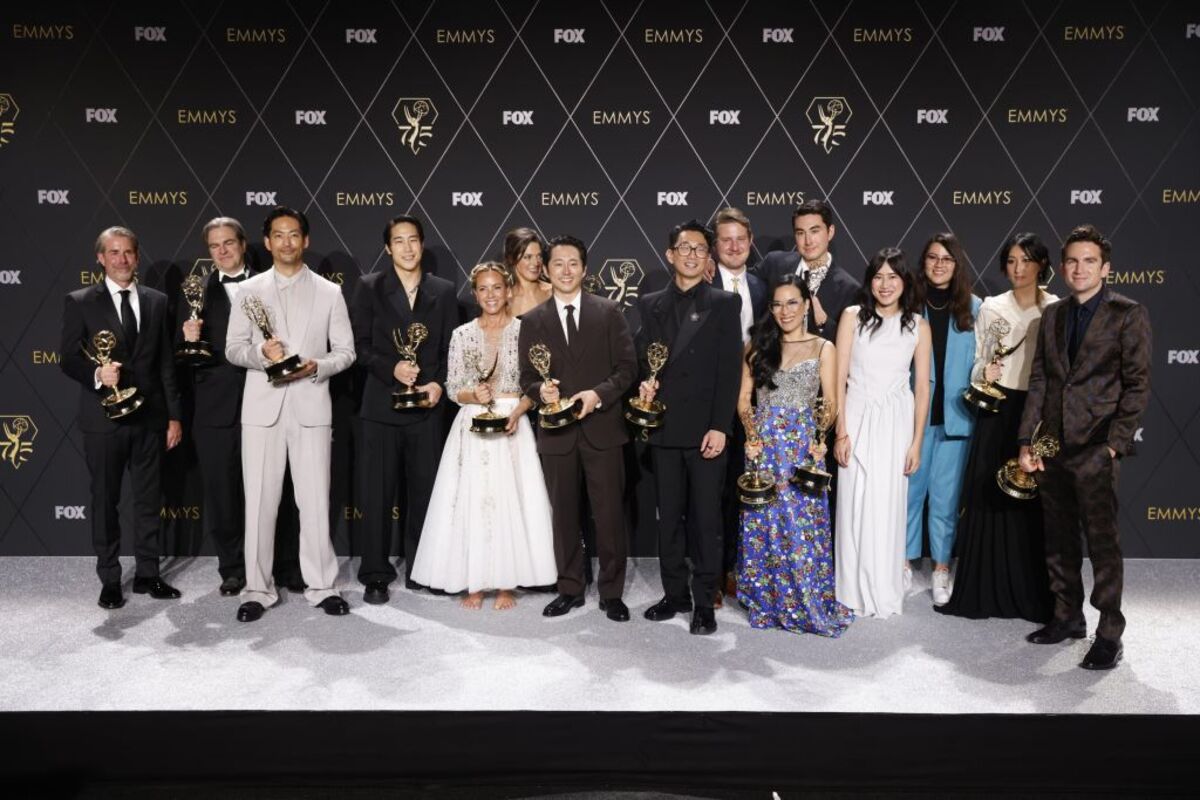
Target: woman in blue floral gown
[785, 574]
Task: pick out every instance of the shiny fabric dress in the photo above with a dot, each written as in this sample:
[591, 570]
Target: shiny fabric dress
[785, 574]
[488, 524]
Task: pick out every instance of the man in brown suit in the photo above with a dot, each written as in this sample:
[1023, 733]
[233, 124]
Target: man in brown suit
[592, 363]
[1089, 384]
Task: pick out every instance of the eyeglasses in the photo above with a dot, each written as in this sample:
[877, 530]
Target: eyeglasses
[790, 305]
[689, 249]
[930, 258]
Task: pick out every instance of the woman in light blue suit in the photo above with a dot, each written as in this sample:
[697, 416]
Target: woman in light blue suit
[950, 309]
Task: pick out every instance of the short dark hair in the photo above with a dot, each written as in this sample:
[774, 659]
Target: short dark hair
[691, 225]
[1031, 245]
[566, 240]
[394, 221]
[1089, 233]
[814, 207]
[284, 211]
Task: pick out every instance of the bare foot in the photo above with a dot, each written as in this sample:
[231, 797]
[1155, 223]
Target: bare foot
[473, 601]
[504, 600]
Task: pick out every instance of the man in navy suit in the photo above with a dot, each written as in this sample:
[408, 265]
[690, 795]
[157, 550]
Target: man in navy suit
[143, 358]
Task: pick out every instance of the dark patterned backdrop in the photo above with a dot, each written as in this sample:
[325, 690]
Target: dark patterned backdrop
[608, 120]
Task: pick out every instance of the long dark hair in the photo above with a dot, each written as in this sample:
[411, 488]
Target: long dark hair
[910, 301]
[1033, 247]
[960, 280]
[766, 353]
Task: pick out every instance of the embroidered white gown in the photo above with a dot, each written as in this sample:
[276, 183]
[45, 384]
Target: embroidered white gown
[489, 523]
[872, 492]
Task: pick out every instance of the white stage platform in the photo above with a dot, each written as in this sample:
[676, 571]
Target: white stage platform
[60, 652]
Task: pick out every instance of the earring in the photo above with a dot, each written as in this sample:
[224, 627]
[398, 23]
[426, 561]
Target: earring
[804, 324]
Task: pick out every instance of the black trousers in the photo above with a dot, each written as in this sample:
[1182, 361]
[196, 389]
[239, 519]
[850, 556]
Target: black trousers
[1079, 489]
[688, 487]
[219, 451]
[139, 449]
[388, 453]
[731, 507]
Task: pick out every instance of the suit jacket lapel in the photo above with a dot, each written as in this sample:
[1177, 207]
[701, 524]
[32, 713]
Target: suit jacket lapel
[554, 332]
[1060, 336]
[274, 302]
[396, 299]
[104, 299]
[1099, 320]
[145, 324]
[302, 304]
[693, 320]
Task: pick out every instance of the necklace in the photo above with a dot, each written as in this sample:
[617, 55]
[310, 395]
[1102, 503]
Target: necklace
[942, 307]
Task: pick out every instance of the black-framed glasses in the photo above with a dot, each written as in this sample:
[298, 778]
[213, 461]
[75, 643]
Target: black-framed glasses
[689, 249]
[790, 305]
[930, 258]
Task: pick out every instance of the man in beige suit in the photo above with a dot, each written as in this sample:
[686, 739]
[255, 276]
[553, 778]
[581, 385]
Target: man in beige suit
[289, 424]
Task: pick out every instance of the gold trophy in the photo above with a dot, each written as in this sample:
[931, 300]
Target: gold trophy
[557, 414]
[810, 477]
[1016, 482]
[281, 371]
[122, 402]
[409, 398]
[756, 488]
[199, 351]
[489, 421]
[984, 394]
[649, 415]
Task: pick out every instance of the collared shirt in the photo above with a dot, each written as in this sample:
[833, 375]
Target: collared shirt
[739, 285]
[561, 305]
[814, 276]
[286, 287]
[114, 294]
[233, 287]
[681, 302]
[1023, 328]
[1079, 317]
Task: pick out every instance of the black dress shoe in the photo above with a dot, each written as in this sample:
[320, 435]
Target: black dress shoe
[232, 586]
[1058, 631]
[615, 609]
[334, 606]
[376, 593]
[704, 621]
[111, 597]
[249, 612]
[156, 588]
[562, 604]
[414, 586]
[1104, 654]
[666, 609]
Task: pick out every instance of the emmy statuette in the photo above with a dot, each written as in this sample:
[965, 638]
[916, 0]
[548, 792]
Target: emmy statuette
[811, 477]
[121, 402]
[985, 395]
[409, 397]
[281, 371]
[557, 414]
[200, 351]
[1016, 482]
[489, 421]
[756, 488]
[649, 415]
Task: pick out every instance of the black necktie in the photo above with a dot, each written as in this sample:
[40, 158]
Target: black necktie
[235, 279]
[1076, 333]
[128, 321]
[572, 328]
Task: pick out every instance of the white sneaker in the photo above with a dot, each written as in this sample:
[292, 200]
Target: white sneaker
[908, 578]
[941, 587]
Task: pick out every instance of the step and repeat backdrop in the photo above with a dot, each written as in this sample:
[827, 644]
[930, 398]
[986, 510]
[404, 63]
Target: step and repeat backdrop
[607, 120]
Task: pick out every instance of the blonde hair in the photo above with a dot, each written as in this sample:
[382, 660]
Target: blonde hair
[491, 266]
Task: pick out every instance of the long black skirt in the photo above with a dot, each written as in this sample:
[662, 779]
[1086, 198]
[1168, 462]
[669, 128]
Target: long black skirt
[1000, 541]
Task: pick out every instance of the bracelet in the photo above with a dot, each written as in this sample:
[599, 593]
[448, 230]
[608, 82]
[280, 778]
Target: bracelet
[843, 436]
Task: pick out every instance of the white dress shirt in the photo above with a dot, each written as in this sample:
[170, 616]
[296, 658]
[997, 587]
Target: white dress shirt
[231, 288]
[561, 305]
[739, 286]
[114, 293]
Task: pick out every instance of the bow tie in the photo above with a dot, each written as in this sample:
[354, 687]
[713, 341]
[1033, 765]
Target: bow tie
[237, 279]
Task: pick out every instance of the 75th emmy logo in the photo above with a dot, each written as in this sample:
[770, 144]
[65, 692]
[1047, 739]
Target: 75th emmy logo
[828, 117]
[8, 117]
[17, 445]
[621, 279]
[415, 117]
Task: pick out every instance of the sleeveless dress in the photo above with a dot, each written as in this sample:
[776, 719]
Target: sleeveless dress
[872, 500]
[785, 574]
[488, 525]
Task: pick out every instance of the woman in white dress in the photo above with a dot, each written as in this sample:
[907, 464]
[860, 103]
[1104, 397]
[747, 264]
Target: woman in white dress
[881, 420]
[488, 526]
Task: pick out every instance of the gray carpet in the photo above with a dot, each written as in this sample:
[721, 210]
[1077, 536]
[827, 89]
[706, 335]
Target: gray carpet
[60, 651]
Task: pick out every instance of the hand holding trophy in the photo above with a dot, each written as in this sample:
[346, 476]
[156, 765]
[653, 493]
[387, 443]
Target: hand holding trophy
[810, 476]
[121, 402]
[409, 397]
[199, 351]
[984, 394]
[649, 414]
[756, 488]
[1016, 482]
[489, 421]
[284, 369]
[557, 414]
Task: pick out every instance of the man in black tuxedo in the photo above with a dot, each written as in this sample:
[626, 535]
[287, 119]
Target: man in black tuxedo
[592, 363]
[217, 388]
[143, 358]
[734, 242]
[701, 327]
[399, 446]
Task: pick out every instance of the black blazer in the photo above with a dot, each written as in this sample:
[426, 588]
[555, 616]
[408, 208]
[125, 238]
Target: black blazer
[758, 292]
[838, 290]
[151, 366]
[605, 363]
[702, 377]
[380, 306]
[216, 386]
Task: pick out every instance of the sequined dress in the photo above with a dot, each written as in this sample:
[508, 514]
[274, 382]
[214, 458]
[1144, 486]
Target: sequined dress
[488, 525]
[785, 571]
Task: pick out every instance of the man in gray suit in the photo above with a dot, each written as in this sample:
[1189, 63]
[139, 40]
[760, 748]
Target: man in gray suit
[289, 424]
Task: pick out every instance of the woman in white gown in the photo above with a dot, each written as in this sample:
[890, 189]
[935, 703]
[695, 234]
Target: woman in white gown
[488, 525]
[881, 420]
